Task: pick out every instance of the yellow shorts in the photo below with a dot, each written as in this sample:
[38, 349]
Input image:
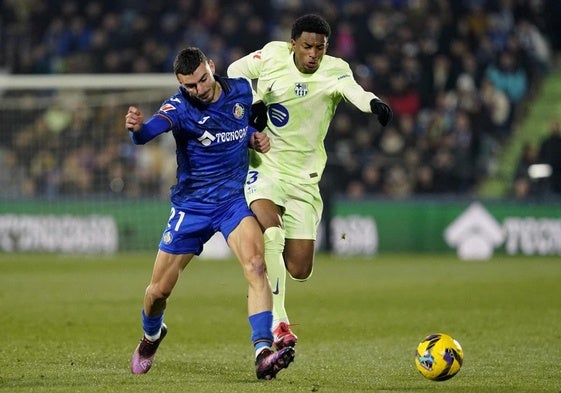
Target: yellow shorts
[301, 203]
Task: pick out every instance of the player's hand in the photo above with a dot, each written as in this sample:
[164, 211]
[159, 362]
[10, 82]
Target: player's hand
[134, 119]
[383, 111]
[258, 118]
[260, 142]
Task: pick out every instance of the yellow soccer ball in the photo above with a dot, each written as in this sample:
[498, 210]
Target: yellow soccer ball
[439, 357]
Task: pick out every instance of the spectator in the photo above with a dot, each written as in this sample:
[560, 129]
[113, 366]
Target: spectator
[534, 44]
[424, 180]
[510, 78]
[496, 106]
[402, 98]
[463, 143]
[550, 153]
[430, 48]
[523, 186]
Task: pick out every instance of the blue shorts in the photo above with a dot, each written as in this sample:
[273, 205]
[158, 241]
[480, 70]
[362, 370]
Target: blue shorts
[194, 223]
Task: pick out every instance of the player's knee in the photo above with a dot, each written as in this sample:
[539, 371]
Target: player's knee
[301, 273]
[156, 292]
[254, 268]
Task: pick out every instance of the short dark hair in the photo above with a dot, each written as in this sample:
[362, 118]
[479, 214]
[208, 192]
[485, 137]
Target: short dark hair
[188, 60]
[310, 23]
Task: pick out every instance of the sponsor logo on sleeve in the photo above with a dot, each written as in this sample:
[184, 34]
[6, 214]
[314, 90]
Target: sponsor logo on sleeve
[167, 107]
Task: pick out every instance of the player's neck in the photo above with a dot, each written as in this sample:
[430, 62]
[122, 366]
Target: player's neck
[217, 91]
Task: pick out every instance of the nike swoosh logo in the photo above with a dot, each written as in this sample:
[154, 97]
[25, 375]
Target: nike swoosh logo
[276, 291]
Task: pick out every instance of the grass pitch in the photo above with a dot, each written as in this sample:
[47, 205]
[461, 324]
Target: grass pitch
[70, 324]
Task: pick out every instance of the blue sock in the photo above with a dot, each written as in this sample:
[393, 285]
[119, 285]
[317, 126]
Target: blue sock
[152, 325]
[261, 333]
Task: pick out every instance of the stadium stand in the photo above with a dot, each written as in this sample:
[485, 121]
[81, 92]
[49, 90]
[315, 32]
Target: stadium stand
[458, 74]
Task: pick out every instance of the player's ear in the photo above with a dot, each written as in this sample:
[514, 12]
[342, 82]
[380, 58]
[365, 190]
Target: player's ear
[292, 44]
[212, 66]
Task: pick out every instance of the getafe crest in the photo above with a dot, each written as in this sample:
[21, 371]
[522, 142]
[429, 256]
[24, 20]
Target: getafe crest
[238, 111]
[168, 237]
[301, 89]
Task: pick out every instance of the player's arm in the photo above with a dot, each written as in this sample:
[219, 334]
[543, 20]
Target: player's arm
[364, 100]
[142, 132]
[259, 141]
[248, 67]
[367, 102]
[258, 117]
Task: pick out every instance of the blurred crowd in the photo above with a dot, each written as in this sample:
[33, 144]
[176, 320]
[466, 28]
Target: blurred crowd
[458, 75]
[538, 171]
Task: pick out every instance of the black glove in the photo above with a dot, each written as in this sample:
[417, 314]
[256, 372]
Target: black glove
[258, 117]
[383, 111]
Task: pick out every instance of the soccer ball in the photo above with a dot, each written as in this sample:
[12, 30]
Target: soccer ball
[439, 357]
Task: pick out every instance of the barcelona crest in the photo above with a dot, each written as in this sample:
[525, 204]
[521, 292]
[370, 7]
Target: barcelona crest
[301, 89]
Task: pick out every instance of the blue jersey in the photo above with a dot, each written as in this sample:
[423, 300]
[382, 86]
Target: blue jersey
[212, 143]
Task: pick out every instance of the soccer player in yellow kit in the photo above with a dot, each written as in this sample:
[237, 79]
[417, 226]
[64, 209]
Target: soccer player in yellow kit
[300, 87]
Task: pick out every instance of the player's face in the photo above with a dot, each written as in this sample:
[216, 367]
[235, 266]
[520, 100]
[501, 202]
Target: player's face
[309, 49]
[201, 84]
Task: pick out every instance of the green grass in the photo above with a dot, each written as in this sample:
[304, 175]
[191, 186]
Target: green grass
[70, 324]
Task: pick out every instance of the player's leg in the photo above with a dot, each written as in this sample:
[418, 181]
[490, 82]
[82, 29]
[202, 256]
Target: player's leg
[302, 212]
[299, 258]
[188, 228]
[246, 241]
[301, 218]
[265, 194]
[276, 271]
[269, 216]
[165, 274]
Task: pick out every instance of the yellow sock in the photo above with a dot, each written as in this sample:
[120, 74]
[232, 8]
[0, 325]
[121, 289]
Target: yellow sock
[276, 271]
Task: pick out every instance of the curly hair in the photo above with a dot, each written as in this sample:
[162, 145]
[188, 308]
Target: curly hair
[310, 23]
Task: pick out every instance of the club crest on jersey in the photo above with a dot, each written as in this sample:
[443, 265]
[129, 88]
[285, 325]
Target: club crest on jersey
[167, 107]
[301, 89]
[238, 111]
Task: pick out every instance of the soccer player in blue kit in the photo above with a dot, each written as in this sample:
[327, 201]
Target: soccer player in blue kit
[209, 118]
